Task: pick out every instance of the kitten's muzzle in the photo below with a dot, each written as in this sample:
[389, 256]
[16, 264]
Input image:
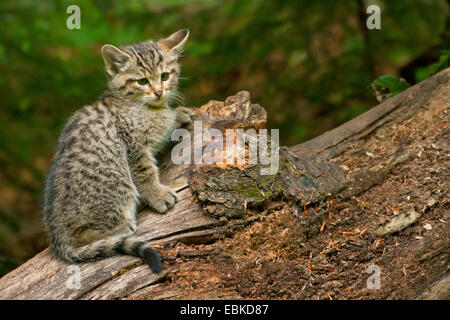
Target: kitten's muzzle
[158, 93]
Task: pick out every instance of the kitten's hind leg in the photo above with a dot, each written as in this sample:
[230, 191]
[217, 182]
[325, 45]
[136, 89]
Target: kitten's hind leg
[90, 232]
[106, 224]
[93, 241]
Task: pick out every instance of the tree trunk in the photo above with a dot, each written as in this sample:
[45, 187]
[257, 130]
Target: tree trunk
[219, 200]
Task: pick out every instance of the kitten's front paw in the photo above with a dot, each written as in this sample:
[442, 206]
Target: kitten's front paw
[163, 200]
[184, 115]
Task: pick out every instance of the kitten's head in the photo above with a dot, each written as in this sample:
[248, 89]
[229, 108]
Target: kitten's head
[147, 71]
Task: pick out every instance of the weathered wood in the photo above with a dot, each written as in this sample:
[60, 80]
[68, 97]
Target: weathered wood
[397, 109]
[214, 201]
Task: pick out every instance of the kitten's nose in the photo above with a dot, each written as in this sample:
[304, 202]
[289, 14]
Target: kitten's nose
[158, 93]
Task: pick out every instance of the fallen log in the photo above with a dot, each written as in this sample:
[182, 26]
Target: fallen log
[216, 201]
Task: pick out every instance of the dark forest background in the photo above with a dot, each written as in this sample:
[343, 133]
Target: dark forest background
[309, 63]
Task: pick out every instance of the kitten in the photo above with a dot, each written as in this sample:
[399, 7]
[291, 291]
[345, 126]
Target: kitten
[105, 165]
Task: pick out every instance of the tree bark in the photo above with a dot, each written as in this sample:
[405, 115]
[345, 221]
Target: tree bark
[218, 200]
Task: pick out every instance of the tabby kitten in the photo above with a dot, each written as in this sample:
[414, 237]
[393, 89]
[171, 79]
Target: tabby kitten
[105, 164]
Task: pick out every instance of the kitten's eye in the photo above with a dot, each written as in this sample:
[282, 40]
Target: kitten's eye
[164, 76]
[143, 81]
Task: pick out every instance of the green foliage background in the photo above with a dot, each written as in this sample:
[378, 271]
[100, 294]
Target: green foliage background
[309, 63]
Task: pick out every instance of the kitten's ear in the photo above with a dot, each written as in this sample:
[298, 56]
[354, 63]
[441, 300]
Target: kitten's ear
[115, 59]
[173, 44]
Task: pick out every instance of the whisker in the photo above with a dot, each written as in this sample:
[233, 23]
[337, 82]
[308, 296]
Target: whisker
[177, 97]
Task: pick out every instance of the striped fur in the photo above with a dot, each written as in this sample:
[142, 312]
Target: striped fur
[104, 165]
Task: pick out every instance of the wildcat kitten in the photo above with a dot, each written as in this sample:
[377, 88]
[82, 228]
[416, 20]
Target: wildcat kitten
[104, 164]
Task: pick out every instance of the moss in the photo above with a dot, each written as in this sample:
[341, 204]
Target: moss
[250, 191]
[281, 189]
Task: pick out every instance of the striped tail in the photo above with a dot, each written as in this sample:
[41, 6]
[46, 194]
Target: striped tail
[119, 244]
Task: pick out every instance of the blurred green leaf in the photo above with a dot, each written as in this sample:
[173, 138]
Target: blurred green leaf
[426, 72]
[393, 84]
